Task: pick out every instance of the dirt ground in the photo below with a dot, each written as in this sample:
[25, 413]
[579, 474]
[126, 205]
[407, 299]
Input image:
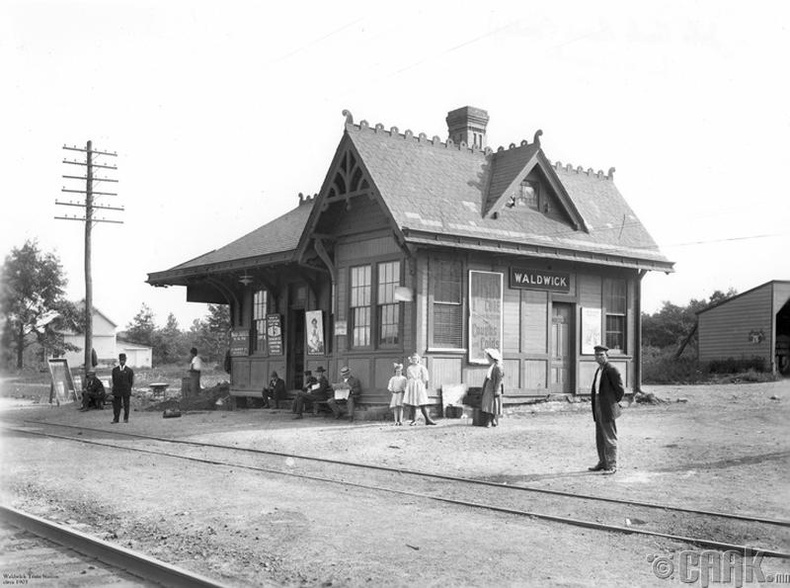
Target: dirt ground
[722, 448]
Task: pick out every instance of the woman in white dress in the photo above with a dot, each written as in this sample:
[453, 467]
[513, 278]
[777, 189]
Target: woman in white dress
[416, 390]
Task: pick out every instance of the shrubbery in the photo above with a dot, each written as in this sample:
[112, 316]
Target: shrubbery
[659, 366]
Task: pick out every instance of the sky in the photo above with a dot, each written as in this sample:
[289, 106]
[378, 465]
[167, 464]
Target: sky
[221, 113]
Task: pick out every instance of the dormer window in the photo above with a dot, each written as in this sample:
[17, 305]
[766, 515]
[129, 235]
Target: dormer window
[528, 195]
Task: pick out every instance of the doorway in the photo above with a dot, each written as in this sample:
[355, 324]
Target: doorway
[296, 335]
[561, 348]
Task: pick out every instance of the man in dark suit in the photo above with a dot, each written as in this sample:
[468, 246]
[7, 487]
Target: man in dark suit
[347, 382]
[607, 392]
[274, 392]
[317, 391]
[122, 381]
[94, 394]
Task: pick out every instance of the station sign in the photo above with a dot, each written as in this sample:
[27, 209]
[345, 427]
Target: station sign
[533, 279]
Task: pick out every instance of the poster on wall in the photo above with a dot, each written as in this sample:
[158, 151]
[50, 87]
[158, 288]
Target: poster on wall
[591, 330]
[274, 334]
[240, 342]
[485, 314]
[314, 319]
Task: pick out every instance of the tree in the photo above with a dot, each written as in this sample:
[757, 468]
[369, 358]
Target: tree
[169, 343]
[32, 286]
[674, 325]
[210, 335]
[141, 328]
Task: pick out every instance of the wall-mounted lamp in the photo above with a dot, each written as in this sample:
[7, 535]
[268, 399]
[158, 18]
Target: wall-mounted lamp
[403, 294]
[245, 280]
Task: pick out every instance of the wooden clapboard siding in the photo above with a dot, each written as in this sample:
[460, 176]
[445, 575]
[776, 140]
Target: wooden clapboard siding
[535, 375]
[443, 370]
[534, 321]
[724, 329]
[511, 335]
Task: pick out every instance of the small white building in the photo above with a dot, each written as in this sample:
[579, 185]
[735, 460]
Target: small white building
[136, 355]
[106, 345]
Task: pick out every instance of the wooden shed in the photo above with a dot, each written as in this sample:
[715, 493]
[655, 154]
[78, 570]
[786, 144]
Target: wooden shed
[444, 247]
[754, 325]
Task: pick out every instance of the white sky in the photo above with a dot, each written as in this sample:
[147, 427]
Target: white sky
[222, 112]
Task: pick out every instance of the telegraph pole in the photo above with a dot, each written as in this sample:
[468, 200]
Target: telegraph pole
[89, 219]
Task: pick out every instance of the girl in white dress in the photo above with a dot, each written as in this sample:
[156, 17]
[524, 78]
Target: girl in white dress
[416, 390]
[397, 386]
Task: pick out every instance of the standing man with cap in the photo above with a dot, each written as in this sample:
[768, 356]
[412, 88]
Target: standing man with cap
[122, 382]
[350, 383]
[607, 392]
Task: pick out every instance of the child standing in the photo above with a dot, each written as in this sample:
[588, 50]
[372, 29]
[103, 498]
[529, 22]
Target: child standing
[397, 386]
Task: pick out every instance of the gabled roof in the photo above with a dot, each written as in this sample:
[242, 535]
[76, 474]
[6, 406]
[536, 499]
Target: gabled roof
[437, 189]
[439, 193]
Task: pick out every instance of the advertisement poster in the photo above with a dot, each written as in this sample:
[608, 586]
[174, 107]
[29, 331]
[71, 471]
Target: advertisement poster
[240, 343]
[314, 319]
[63, 389]
[591, 330]
[485, 314]
[274, 334]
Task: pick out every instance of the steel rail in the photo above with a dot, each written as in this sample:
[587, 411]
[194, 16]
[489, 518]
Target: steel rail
[553, 518]
[624, 501]
[119, 557]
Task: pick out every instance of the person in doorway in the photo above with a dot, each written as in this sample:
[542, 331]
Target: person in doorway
[493, 388]
[416, 393]
[318, 391]
[195, 367]
[348, 382]
[274, 392]
[397, 385]
[607, 391]
[122, 382]
[94, 395]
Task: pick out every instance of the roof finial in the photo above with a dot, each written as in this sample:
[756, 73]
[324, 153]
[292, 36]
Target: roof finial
[349, 117]
[536, 138]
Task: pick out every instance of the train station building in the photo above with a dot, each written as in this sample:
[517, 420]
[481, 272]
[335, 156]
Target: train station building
[440, 246]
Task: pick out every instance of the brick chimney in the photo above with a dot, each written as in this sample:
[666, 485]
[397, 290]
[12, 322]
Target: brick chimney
[468, 124]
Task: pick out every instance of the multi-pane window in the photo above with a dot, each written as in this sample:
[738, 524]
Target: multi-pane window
[447, 307]
[388, 308]
[259, 312]
[360, 305]
[616, 303]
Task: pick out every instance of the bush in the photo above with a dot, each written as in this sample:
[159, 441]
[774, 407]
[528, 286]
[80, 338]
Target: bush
[659, 366]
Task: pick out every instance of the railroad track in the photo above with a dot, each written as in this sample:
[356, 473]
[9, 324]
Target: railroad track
[719, 530]
[42, 553]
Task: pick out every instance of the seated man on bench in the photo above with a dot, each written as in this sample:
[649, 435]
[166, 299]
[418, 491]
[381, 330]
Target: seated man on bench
[348, 384]
[317, 391]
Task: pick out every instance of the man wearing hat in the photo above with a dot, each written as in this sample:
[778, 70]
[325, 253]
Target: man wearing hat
[274, 392]
[317, 391]
[350, 383]
[94, 394]
[607, 392]
[122, 382]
